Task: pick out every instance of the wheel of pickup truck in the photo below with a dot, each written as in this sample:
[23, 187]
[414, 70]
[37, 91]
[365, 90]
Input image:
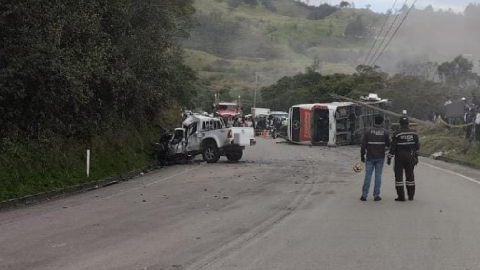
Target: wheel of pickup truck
[211, 154]
[234, 155]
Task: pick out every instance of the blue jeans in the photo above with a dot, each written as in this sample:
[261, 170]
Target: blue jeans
[377, 165]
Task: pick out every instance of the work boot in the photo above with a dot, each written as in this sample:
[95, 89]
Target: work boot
[363, 199]
[400, 194]
[411, 192]
[377, 199]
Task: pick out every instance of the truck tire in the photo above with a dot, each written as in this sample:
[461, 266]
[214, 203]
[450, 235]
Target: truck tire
[211, 154]
[234, 155]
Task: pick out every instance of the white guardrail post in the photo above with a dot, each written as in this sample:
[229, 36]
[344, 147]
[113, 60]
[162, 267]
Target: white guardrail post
[88, 162]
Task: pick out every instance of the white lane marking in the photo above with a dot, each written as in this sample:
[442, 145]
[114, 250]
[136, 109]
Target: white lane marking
[454, 173]
[151, 183]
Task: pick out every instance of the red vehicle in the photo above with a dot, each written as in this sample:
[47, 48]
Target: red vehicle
[227, 110]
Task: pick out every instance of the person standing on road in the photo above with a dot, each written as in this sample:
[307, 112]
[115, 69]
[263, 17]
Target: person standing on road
[375, 140]
[477, 125]
[405, 147]
[470, 121]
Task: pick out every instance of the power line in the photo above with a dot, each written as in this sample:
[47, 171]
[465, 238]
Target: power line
[396, 31]
[379, 33]
[385, 37]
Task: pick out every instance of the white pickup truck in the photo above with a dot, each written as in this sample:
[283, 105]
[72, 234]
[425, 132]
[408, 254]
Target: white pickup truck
[207, 136]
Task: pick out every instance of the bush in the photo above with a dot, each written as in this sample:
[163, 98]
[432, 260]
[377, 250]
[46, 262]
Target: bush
[356, 28]
[268, 4]
[321, 12]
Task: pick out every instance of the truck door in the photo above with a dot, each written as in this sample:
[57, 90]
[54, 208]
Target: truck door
[193, 138]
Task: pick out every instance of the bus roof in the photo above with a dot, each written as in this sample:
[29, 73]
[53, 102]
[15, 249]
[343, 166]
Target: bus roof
[333, 105]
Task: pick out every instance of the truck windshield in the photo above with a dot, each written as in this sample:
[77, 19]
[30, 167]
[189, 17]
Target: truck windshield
[227, 107]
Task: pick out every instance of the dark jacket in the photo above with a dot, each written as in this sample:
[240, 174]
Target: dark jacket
[375, 141]
[405, 140]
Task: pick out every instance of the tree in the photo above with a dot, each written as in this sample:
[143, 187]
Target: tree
[429, 8]
[268, 4]
[234, 3]
[344, 4]
[472, 10]
[74, 68]
[426, 70]
[251, 3]
[321, 12]
[315, 65]
[458, 72]
[356, 28]
[404, 8]
[330, 29]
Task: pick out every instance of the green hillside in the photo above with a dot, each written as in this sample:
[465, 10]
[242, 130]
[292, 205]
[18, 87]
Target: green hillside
[230, 43]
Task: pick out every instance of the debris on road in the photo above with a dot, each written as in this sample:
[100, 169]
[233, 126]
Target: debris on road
[437, 155]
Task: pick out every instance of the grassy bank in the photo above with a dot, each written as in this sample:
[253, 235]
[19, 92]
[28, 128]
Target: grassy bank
[451, 141]
[36, 167]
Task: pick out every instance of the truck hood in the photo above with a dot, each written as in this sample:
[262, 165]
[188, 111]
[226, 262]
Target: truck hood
[227, 113]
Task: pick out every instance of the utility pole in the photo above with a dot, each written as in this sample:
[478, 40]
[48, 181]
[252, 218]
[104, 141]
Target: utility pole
[255, 93]
[256, 88]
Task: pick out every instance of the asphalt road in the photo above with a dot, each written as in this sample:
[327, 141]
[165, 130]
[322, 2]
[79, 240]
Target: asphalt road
[284, 207]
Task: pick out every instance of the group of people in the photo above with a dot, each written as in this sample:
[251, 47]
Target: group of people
[472, 122]
[269, 122]
[236, 122]
[403, 146]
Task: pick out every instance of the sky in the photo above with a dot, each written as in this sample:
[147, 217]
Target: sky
[384, 5]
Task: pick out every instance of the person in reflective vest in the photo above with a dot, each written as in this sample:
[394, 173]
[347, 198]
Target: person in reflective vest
[405, 147]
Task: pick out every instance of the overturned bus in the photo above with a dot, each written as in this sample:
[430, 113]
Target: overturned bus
[332, 124]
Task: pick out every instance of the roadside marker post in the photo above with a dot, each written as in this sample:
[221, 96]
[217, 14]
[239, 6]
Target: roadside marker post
[88, 162]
